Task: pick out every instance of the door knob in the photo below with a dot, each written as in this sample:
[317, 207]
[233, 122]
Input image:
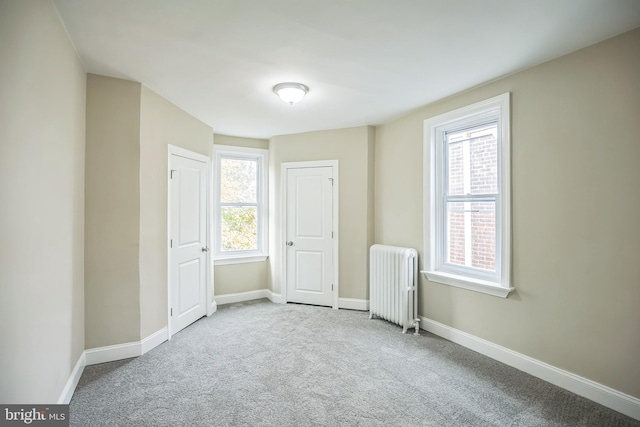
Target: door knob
[205, 249]
[289, 243]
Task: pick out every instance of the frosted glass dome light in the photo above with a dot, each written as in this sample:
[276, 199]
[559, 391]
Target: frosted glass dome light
[291, 92]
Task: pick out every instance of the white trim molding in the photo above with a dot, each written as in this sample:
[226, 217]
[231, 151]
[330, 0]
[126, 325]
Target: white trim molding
[276, 298]
[261, 157]
[110, 353]
[72, 382]
[153, 340]
[344, 303]
[436, 197]
[243, 296]
[249, 296]
[353, 304]
[464, 282]
[127, 350]
[240, 260]
[606, 396]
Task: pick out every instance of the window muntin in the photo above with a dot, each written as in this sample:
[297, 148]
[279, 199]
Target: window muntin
[241, 224]
[467, 197]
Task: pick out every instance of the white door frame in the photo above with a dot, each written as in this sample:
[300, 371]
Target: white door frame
[284, 168]
[210, 302]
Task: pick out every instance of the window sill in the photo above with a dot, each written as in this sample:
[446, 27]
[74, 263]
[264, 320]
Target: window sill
[240, 260]
[471, 284]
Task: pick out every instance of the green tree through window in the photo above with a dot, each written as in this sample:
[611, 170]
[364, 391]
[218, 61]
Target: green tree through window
[240, 202]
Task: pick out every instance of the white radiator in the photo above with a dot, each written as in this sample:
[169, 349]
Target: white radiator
[393, 276]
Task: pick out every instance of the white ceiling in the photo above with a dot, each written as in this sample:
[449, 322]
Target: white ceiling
[365, 61]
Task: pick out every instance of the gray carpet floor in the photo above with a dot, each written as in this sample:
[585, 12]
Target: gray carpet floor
[264, 364]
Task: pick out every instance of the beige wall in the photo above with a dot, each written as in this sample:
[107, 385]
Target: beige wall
[161, 124]
[231, 279]
[352, 148]
[42, 122]
[576, 204]
[129, 128]
[240, 142]
[112, 209]
[371, 166]
[235, 278]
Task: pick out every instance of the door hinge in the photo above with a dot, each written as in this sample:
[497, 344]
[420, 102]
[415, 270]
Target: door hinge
[170, 243]
[171, 311]
[172, 171]
[332, 287]
[332, 234]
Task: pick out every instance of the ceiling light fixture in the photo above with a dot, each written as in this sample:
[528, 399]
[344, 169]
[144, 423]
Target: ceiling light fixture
[291, 92]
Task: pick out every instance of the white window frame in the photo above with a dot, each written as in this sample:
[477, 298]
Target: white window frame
[435, 268]
[261, 156]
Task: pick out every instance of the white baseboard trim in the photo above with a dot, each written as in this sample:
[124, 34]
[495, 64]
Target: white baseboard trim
[127, 350]
[275, 298]
[584, 387]
[72, 382]
[153, 340]
[242, 296]
[110, 353]
[353, 304]
[213, 308]
[348, 303]
[249, 296]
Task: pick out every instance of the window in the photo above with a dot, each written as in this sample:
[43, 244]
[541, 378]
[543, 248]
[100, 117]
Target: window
[241, 204]
[467, 197]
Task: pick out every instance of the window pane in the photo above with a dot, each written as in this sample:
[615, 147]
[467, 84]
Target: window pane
[471, 234]
[238, 180]
[472, 166]
[239, 228]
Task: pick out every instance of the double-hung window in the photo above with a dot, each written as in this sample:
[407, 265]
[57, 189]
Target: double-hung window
[467, 197]
[240, 204]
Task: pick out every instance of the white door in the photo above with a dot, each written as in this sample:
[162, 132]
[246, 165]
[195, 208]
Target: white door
[309, 235]
[188, 241]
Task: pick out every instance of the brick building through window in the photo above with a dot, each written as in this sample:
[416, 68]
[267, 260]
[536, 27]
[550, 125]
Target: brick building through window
[472, 165]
